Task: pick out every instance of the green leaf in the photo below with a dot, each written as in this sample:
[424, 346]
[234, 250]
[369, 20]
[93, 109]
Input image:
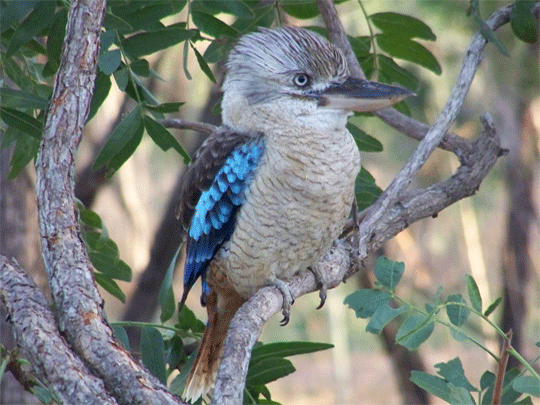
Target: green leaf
[523, 22]
[163, 138]
[487, 380]
[432, 384]
[188, 321]
[146, 43]
[121, 76]
[212, 26]
[285, 349]
[21, 99]
[203, 65]
[388, 272]
[43, 394]
[366, 190]
[458, 334]
[489, 35]
[382, 316]
[233, 7]
[109, 61]
[525, 401]
[185, 54]
[268, 370]
[527, 384]
[364, 142]
[474, 293]
[110, 286]
[13, 11]
[218, 50]
[90, 218]
[41, 16]
[55, 39]
[26, 149]
[149, 15]
[360, 46]
[165, 107]
[152, 353]
[401, 25]
[129, 130]
[409, 50]
[140, 67]
[102, 87]
[166, 293]
[460, 396]
[414, 331]
[391, 72]
[107, 38]
[365, 301]
[493, 306]
[104, 255]
[112, 22]
[303, 10]
[458, 314]
[121, 335]
[21, 121]
[452, 372]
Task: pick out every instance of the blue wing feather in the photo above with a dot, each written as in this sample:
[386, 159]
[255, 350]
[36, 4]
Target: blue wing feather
[215, 213]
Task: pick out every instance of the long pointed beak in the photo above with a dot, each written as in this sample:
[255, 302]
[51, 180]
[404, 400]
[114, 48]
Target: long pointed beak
[361, 95]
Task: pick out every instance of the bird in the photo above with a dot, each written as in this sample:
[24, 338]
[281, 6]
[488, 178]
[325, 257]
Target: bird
[270, 190]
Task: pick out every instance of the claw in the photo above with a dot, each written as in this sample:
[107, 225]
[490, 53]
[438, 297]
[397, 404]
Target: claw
[288, 299]
[321, 286]
[322, 296]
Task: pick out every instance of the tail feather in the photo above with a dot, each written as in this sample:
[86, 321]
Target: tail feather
[221, 310]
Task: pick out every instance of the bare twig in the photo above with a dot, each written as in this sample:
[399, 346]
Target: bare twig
[188, 124]
[36, 333]
[501, 369]
[434, 136]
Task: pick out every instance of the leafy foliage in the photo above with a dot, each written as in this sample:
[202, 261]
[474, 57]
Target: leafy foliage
[103, 253]
[383, 305]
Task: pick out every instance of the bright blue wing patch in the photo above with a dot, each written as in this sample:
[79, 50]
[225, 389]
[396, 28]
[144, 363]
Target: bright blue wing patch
[215, 214]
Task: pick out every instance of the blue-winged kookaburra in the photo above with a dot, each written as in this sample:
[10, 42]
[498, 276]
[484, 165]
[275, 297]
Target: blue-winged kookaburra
[270, 190]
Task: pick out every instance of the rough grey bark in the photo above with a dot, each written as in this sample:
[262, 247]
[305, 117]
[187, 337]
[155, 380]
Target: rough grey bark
[77, 301]
[51, 358]
[16, 240]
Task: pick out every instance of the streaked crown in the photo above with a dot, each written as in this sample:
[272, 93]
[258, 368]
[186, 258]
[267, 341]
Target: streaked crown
[267, 64]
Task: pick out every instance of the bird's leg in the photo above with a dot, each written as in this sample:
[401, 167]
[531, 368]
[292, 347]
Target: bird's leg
[321, 284]
[288, 298]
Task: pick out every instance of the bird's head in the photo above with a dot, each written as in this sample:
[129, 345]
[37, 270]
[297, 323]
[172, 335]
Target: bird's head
[290, 73]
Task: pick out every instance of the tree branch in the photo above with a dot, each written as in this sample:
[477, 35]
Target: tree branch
[409, 126]
[37, 336]
[78, 303]
[395, 210]
[188, 124]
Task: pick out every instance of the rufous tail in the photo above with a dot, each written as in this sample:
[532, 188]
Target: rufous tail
[221, 310]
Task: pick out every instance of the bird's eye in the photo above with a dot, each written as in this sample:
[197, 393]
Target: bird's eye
[301, 80]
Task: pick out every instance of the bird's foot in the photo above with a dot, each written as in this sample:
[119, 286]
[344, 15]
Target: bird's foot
[288, 299]
[321, 285]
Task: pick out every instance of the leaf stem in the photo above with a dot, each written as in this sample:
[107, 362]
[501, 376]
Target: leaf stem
[156, 325]
[372, 37]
